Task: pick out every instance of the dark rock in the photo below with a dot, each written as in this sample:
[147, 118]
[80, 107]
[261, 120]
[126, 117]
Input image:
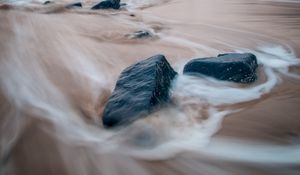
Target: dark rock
[77, 4]
[140, 89]
[141, 34]
[48, 2]
[234, 67]
[108, 4]
[5, 7]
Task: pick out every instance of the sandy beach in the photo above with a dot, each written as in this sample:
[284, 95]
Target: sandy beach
[59, 66]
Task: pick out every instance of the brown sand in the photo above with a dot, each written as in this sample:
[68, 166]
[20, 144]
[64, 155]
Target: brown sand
[41, 42]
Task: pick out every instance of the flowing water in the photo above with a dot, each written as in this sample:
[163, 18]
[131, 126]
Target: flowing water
[58, 67]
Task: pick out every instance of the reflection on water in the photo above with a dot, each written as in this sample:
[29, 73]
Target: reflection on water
[57, 71]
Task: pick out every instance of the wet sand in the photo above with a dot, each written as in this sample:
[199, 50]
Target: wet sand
[58, 68]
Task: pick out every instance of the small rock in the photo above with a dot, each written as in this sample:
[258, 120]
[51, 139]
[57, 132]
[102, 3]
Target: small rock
[140, 90]
[140, 34]
[5, 7]
[48, 2]
[107, 4]
[76, 5]
[235, 67]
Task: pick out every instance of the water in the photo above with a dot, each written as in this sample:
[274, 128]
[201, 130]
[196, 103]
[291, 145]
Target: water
[58, 68]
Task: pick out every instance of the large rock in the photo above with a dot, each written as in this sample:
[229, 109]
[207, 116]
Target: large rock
[234, 67]
[107, 4]
[140, 89]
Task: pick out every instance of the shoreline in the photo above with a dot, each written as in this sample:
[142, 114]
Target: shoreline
[58, 67]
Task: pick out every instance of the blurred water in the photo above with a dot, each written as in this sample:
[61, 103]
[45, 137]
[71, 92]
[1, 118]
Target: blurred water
[57, 71]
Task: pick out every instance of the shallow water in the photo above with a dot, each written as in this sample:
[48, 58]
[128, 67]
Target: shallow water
[58, 68]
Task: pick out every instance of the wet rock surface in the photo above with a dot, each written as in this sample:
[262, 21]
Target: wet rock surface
[48, 2]
[141, 34]
[141, 88]
[5, 7]
[108, 4]
[74, 5]
[235, 67]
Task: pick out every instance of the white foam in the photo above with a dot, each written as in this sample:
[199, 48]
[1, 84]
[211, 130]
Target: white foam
[287, 1]
[24, 2]
[29, 86]
[193, 94]
[221, 93]
[135, 4]
[255, 152]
